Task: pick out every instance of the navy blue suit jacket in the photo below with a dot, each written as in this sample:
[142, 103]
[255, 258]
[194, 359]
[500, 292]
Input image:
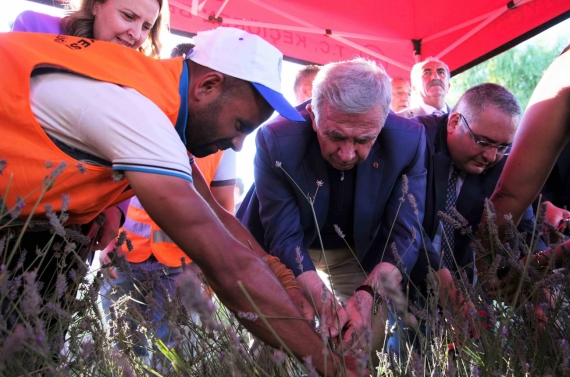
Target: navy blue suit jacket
[279, 215]
[471, 199]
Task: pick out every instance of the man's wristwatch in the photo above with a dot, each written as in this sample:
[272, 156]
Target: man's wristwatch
[375, 296]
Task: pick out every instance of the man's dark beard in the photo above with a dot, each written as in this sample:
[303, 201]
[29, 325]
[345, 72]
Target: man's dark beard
[202, 129]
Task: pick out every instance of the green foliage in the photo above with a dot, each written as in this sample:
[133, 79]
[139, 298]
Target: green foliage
[518, 69]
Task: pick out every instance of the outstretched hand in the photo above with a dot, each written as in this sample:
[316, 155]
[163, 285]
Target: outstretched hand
[559, 218]
[306, 309]
[331, 314]
[359, 330]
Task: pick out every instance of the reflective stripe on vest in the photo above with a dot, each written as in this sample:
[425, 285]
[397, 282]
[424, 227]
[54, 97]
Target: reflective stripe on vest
[136, 203]
[148, 239]
[160, 236]
[137, 228]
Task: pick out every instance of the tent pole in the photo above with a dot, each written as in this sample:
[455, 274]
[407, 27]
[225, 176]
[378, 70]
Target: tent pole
[221, 8]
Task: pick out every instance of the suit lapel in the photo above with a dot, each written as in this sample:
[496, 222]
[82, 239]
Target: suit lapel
[368, 183]
[442, 163]
[470, 193]
[315, 169]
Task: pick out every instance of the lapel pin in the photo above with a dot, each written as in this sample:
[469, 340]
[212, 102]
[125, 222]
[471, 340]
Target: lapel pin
[375, 165]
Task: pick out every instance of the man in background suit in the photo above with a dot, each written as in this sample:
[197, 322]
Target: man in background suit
[430, 84]
[465, 157]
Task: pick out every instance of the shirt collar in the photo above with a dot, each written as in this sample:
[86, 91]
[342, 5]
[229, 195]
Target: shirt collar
[182, 119]
[430, 109]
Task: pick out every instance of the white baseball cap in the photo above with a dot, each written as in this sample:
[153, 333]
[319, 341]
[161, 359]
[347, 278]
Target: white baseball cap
[248, 57]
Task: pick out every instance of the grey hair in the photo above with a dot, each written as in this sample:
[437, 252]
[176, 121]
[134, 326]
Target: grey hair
[417, 69]
[479, 97]
[356, 86]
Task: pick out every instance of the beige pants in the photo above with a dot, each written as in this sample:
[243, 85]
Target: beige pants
[346, 275]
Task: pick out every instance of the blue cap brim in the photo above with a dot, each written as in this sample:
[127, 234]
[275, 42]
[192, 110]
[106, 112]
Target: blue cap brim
[279, 103]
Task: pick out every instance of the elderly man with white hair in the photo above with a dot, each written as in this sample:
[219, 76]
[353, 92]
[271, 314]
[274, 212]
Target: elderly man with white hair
[330, 195]
[430, 84]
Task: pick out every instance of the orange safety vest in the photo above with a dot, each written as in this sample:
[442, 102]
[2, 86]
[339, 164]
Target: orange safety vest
[208, 165]
[31, 156]
[146, 236]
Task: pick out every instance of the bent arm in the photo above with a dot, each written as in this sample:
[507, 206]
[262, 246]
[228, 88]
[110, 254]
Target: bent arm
[279, 209]
[224, 195]
[542, 135]
[180, 211]
[231, 224]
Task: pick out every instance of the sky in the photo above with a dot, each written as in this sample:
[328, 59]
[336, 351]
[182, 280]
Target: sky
[9, 9]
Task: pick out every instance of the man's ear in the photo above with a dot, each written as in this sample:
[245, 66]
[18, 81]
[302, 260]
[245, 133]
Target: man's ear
[208, 86]
[307, 90]
[312, 114]
[453, 122]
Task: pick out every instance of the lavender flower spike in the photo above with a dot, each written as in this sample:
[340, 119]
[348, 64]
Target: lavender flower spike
[248, 315]
[299, 258]
[338, 231]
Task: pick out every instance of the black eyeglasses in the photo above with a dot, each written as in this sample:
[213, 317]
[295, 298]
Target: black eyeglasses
[502, 150]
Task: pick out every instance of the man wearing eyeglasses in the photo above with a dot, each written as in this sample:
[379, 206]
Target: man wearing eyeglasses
[465, 155]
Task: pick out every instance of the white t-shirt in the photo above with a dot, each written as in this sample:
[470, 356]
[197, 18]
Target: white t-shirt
[114, 123]
[225, 174]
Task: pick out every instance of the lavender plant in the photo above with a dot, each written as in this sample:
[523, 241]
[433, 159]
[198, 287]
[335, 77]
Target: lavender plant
[61, 331]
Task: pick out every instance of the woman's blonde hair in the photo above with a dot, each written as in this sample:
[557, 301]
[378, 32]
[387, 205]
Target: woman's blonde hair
[80, 24]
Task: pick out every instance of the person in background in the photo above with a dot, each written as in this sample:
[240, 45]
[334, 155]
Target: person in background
[303, 85]
[430, 85]
[400, 94]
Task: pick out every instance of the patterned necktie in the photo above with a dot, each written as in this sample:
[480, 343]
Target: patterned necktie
[448, 229]
[438, 113]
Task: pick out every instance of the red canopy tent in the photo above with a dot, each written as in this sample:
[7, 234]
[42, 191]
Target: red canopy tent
[397, 33]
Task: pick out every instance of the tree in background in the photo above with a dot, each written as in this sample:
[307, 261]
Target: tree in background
[518, 69]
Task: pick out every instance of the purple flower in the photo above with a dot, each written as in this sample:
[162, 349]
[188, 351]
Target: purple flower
[338, 231]
[64, 202]
[54, 221]
[247, 315]
[299, 258]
